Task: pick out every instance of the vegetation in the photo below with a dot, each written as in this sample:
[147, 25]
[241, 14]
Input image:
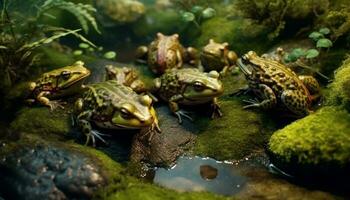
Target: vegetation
[18, 43]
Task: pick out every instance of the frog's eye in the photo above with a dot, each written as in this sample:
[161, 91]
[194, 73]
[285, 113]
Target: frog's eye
[125, 113]
[65, 74]
[198, 86]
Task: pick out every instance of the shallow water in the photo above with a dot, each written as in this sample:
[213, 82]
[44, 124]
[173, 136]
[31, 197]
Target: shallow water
[202, 174]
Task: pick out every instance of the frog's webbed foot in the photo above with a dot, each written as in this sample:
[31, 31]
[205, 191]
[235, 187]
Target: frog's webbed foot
[93, 135]
[153, 129]
[181, 114]
[252, 103]
[53, 105]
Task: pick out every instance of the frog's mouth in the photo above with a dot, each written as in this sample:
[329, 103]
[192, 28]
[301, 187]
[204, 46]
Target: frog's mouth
[244, 67]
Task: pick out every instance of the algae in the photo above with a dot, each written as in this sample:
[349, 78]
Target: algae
[339, 91]
[322, 137]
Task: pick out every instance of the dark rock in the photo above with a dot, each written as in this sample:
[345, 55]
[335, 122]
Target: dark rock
[167, 146]
[45, 172]
[208, 172]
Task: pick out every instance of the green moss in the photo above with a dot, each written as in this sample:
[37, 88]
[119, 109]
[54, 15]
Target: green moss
[339, 90]
[144, 191]
[241, 34]
[41, 120]
[322, 137]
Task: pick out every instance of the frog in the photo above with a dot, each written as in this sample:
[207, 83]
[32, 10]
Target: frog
[112, 105]
[217, 56]
[166, 52]
[189, 86]
[278, 85]
[127, 76]
[57, 84]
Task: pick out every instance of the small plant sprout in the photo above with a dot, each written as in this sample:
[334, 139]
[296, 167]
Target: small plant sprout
[208, 13]
[315, 36]
[110, 55]
[324, 43]
[325, 31]
[312, 53]
[196, 14]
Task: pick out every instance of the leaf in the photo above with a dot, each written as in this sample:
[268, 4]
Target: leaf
[325, 31]
[196, 9]
[84, 45]
[312, 53]
[324, 43]
[78, 52]
[298, 52]
[208, 13]
[188, 16]
[110, 55]
[316, 36]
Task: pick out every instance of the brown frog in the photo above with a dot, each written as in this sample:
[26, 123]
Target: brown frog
[217, 56]
[276, 84]
[166, 52]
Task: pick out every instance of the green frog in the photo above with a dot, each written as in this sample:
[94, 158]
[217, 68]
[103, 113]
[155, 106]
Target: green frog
[276, 84]
[113, 105]
[166, 52]
[189, 86]
[217, 56]
[58, 83]
[126, 76]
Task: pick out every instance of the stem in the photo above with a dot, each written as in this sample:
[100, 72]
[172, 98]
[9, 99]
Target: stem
[9, 21]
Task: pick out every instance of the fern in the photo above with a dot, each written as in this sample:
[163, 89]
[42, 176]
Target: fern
[83, 12]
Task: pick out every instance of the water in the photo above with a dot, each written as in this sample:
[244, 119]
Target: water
[201, 174]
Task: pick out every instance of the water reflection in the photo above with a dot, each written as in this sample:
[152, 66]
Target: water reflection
[201, 174]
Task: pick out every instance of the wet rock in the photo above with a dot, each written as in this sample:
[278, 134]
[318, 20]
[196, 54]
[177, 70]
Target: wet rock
[45, 172]
[114, 12]
[208, 172]
[315, 146]
[167, 146]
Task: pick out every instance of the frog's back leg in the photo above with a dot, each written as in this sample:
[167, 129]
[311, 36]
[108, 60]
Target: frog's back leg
[310, 83]
[296, 102]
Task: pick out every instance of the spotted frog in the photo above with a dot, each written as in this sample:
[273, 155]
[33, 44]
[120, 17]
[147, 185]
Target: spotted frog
[189, 86]
[217, 56]
[58, 83]
[276, 84]
[113, 105]
[126, 76]
[166, 52]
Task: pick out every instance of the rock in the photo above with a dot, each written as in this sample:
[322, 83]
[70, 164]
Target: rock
[113, 12]
[208, 172]
[46, 172]
[318, 144]
[339, 90]
[165, 147]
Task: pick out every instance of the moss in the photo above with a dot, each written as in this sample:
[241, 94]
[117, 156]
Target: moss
[41, 120]
[339, 90]
[317, 139]
[241, 34]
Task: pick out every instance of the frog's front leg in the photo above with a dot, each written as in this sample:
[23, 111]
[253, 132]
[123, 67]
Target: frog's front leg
[296, 102]
[312, 85]
[83, 121]
[174, 107]
[269, 98]
[43, 100]
[216, 109]
[141, 54]
[191, 56]
[231, 63]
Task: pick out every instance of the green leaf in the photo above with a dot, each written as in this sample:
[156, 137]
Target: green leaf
[110, 55]
[84, 45]
[298, 52]
[324, 43]
[208, 13]
[188, 16]
[78, 52]
[196, 9]
[325, 31]
[316, 36]
[312, 53]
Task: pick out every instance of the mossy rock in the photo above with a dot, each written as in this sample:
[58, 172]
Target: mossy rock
[242, 34]
[339, 90]
[316, 143]
[42, 121]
